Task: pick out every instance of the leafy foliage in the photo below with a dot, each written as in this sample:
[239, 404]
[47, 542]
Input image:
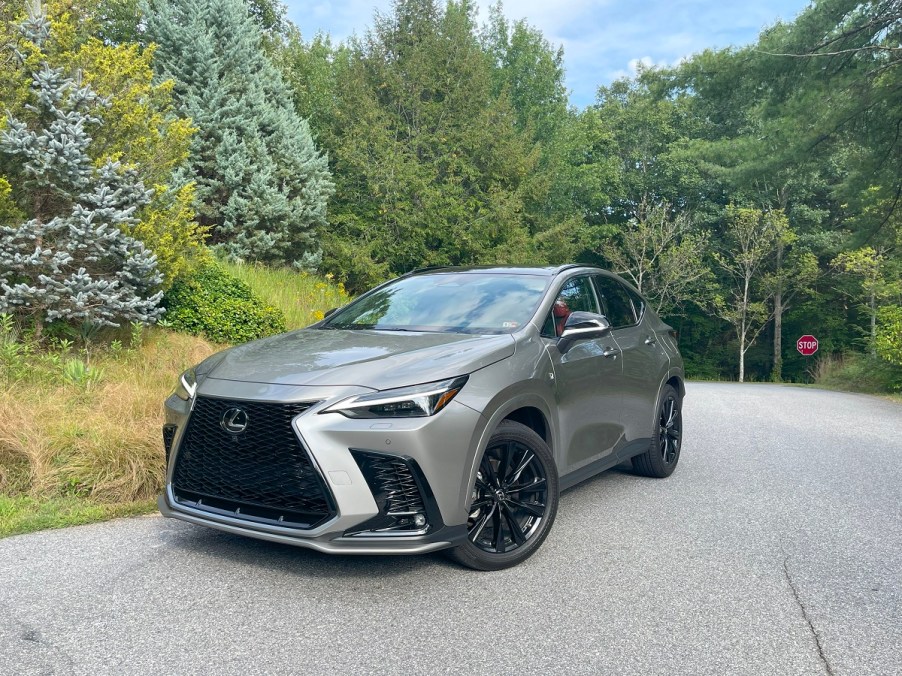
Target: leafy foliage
[889, 334]
[212, 303]
[659, 252]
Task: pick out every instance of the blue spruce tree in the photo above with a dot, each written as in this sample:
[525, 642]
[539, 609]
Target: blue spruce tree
[261, 184]
[73, 259]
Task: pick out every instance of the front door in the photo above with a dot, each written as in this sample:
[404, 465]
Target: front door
[587, 382]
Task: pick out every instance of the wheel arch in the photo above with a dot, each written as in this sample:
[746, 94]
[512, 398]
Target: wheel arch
[533, 418]
[526, 408]
[677, 382]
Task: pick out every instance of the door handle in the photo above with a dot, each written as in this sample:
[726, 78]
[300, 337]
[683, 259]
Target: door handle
[651, 340]
[610, 352]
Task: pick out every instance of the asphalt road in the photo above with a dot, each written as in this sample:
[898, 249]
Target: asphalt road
[775, 548]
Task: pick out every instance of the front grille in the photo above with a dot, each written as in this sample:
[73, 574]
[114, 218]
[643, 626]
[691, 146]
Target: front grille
[261, 474]
[394, 487]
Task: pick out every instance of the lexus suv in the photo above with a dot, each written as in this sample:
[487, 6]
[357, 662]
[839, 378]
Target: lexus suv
[445, 409]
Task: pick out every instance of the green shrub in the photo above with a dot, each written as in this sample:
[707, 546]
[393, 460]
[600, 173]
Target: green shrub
[212, 303]
[889, 334]
[854, 372]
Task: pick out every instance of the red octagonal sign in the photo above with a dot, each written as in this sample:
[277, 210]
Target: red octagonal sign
[807, 345]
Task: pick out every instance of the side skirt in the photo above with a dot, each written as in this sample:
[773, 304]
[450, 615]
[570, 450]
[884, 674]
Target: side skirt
[634, 448]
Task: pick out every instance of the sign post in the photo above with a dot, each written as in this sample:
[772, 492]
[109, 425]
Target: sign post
[807, 345]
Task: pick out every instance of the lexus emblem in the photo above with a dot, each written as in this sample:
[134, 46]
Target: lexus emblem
[234, 421]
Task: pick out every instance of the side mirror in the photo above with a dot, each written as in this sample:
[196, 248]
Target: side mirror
[583, 326]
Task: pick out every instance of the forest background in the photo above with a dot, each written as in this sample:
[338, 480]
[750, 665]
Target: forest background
[201, 168]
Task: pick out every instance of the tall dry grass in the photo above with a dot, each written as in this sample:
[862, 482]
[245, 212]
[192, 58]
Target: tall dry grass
[302, 297]
[103, 442]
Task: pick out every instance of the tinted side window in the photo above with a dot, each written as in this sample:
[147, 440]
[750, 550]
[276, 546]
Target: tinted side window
[616, 300]
[638, 304]
[575, 296]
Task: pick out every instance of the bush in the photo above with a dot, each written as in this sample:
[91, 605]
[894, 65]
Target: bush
[889, 334]
[854, 372]
[212, 303]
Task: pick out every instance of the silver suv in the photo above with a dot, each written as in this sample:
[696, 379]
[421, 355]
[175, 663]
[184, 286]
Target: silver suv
[445, 409]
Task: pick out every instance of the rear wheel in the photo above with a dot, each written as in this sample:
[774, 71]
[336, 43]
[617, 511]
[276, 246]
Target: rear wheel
[664, 452]
[513, 502]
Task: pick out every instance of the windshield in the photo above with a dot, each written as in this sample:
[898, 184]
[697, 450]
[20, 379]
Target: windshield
[451, 302]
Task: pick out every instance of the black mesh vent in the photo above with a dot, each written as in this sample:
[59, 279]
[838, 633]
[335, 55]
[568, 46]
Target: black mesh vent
[396, 490]
[168, 436]
[261, 474]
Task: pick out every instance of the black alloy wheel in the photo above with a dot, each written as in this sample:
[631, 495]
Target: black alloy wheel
[513, 502]
[670, 429]
[661, 458]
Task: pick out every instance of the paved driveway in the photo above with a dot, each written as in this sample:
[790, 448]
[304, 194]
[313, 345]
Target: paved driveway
[775, 548]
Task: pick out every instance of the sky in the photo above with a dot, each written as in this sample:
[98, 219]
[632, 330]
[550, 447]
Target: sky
[602, 39]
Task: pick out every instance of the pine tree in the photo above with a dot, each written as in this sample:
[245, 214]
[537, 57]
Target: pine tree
[261, 183]
[73, 259]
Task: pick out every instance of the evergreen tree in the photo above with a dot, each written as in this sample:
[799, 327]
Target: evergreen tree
[430, 165]
[72, 260]
[261, 184]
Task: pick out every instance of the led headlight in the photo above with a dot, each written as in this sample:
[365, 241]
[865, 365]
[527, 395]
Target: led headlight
[187, 385]
[418, 401]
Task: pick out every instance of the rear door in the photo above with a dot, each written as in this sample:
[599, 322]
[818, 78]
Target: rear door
[587, 383]
[643, 359]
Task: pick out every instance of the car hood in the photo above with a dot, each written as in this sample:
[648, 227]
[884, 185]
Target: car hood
[376, 359]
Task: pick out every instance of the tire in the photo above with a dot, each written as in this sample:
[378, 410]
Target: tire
[663, 453]
[514, 500]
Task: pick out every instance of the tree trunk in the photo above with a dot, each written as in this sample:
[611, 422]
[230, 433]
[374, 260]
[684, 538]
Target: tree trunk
[742, 354]
[873, 324]
[777, 372]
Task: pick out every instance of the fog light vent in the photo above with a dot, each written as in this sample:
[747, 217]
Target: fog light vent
[395, 487]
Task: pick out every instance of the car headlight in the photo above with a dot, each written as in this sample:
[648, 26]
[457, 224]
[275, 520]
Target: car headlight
[187, 385]
[418, 401]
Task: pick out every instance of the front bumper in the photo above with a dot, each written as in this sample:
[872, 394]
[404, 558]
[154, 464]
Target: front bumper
[441, 448]
[448, 536]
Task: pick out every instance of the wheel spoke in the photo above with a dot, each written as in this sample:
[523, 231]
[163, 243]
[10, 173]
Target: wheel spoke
[480, 503]
[499, 531]
[671, 413]
[534, 485]
[477, 530]
[528, 457]
[488, 470]
[504, 463]
[516, 531]
[534, 508]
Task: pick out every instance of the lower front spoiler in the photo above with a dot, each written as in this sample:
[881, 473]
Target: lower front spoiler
[448, 536]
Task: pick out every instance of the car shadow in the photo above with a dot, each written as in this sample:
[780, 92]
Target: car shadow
[291, 560]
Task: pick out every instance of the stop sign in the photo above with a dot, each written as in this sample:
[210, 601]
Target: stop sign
[807, 345]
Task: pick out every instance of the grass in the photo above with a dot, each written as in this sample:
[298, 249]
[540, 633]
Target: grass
[88, 449]
[302, 297]
[25, 514]
[80, 435]
[856, 372]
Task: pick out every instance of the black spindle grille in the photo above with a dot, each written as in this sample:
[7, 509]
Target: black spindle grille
[262, 473]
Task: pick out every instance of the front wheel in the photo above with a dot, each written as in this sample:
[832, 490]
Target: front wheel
[513, 502]
[664, 451]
